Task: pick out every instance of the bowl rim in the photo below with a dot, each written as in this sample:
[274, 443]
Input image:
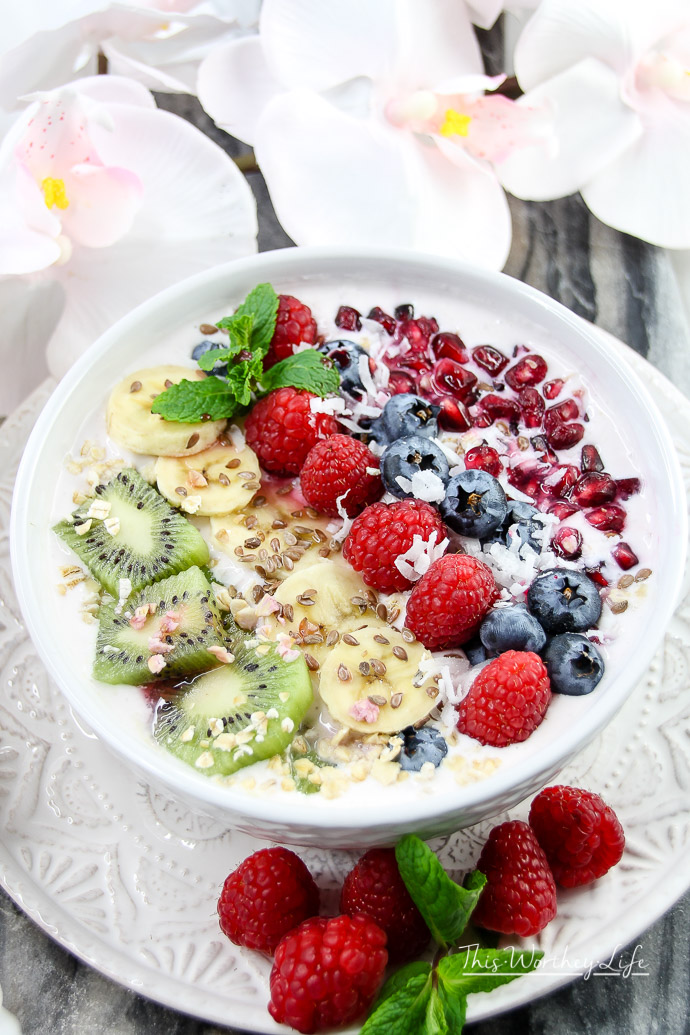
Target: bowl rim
[274, 810]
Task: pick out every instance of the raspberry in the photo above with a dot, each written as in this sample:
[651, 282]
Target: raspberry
[448, 603]
[374, 886]
[383, 532]
[520, 893]
[507, 700]
[265, 897]
[294, 324]
[281, 429]
[337, 467]
[580, 834]
[327, 972]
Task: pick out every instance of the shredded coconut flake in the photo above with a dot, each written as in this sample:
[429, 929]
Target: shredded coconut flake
[236, 436]
[417, 560]
[332, 405]
[424, 485]
[191, 504]
[124, 589]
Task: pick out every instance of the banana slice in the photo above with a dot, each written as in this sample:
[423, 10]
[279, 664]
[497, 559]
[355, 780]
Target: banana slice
[130, 422]
[323, 594]
[368, 681]
[222, 477]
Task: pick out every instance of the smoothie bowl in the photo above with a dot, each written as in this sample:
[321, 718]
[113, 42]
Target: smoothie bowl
[335, 546]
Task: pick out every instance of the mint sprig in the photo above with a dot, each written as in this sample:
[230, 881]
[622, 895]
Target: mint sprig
[431, 998]
[250, 330]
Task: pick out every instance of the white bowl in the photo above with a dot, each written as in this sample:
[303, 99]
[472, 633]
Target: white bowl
[357, 277]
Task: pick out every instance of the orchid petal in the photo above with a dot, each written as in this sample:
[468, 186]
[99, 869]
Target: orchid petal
[102, 204]
[29, 312]
[115, 89]
[562, 33]
[314, 44]
[435, 42]
[498, 127]
[644, 192]
[592, 127]
[484, 12]
[28, 230]
[468, 84]
[235, 84]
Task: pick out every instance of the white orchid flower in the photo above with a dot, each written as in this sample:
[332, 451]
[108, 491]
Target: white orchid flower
[371, 125]
[47, 43]
[616, 75]
[485, 12]
[105, 200]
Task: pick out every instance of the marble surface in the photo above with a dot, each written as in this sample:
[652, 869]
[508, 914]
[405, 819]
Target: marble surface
[629, 289]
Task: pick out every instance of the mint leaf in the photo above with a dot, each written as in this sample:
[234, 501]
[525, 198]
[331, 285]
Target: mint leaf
[262, 305]
[240, 332]
[241, 377]
[454, 1008]
[306, 369]
[403, 1012]
[436, 1018]
[482, 970]
[445, 906]
[400, 978]
[189, 401]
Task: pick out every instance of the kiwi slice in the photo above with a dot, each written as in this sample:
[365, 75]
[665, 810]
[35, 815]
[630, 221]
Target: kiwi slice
[139, 535]
[182, 616]
[238, 714]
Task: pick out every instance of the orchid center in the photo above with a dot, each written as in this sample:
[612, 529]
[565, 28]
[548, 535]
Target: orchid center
[54, 193]
[666, 72]
[455, 124]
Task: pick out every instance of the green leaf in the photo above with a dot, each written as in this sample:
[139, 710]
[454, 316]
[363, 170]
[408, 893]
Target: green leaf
[436, 1019]
[240, 331]
[188, 401]
[306, 369]
[482, 970]
[445, 906]
[454, 1008]
[400, 978]
[403, 1012]
[262, 305]
[242, 374]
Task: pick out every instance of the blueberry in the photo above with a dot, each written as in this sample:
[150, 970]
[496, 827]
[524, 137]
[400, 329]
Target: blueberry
[346, 356]
[475, 651]
[511, 628]
[564, 600]
[475, 503]
[203, 347]
[420, 746]
[412, 456]
[405, 414]
[574, 664]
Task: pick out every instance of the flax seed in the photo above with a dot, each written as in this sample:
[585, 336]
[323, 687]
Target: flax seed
[344, 673]
[208, 328]
[192, 440]
[312, 663]
[252, 543]
[378, 667]
[378, 638]
[625, 581]
[232, 464]
[377, 699]
[408, 636]
[364, 668]
[396, 700]
[382, 612]
[332, 638]
[351, 640]
[279, 523]
[223, 479]
[643, 574]
[181, 491]
[400, 652]
[135, 386]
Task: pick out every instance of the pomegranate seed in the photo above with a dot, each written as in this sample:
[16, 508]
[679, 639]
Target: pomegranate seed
[561, 412]
[532, 406]
[449, 346]
[499, 409]
[591, 461]
[563, 436]
[627, 487]
[482, 420]
[450, 377]
[560, 480]
[526, 476]
[386, 321]
[528, 371]
[540, 445]
[400, 382]
[567, 542]
[348, 319]
[404, 311]
[416, 364]
[594, 488]
[483, 458]
[625, 557]
[454, 415]
[562, 510]
[596, 576]
[552, 389]
[609, 518]
[418, 332]
[490, 359]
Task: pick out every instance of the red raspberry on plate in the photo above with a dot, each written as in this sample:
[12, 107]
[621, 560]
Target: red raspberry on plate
[383, 532]
[268, 895]
[520, 893]
[281, 429]
[294, 324]
[580, 834]
[327, 972]
[450, 600]
[507, 700]
[374, 886]
[337, 467]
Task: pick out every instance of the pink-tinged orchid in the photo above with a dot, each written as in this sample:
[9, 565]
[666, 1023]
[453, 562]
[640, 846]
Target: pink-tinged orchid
[371, 124]
[160, 43]
[616, 76]
[105, 200]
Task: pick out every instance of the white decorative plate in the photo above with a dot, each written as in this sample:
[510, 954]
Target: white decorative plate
[128, 882]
